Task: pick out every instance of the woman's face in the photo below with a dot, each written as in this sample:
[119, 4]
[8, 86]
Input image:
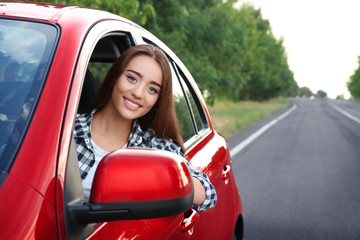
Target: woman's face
[136, 91]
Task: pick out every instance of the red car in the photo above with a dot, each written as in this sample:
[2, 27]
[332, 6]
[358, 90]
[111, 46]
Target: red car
[51, 61]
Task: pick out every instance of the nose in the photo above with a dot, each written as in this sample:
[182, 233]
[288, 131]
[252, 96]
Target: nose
[138, 91]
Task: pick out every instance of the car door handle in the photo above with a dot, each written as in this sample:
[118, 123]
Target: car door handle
[226, 172]
[191, 216]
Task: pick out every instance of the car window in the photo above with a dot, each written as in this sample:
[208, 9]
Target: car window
[25, 56]
[196, 109]
[182, 112]
[182, 106]
[107, 50]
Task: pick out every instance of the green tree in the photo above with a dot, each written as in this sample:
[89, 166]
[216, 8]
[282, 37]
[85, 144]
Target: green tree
[305, 91]
[353, 84]
[231, 52]
[267, 65]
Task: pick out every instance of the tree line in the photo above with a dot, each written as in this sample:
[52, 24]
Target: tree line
[353, 84]
[231, 52]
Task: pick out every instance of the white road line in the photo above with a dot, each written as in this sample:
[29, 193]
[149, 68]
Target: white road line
[346, 114]
[256, 134]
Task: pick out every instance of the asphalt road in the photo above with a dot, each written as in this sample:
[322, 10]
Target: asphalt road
[299, 178]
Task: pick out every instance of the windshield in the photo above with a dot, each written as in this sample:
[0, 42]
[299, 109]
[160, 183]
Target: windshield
[26, 50]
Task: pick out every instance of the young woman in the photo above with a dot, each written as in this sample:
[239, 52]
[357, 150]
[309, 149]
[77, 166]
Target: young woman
[135, 108]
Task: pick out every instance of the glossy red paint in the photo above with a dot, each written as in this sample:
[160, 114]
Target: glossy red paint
[32, 201]
[45, 12]
[25, 214]
[151, 178]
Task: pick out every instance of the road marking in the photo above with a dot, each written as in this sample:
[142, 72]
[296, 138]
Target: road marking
[347, 114]
[256, 134]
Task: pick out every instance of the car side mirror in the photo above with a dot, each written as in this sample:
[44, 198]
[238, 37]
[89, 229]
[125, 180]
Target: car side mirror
[137, 184]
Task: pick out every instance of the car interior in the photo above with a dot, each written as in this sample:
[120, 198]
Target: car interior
[107, 50]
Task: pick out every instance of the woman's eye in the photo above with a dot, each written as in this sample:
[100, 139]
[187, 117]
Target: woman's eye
[153, 90]
[131, 78]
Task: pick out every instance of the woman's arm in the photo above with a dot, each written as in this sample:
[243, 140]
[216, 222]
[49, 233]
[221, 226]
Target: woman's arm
[199, 192]
[204, 192]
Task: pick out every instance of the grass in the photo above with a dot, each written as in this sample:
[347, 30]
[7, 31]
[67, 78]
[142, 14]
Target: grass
[229, 117]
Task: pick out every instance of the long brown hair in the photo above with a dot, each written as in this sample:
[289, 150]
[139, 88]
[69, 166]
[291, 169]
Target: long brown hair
[162, 117]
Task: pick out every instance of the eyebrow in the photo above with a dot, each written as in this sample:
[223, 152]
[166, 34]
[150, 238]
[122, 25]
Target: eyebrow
[140, 75]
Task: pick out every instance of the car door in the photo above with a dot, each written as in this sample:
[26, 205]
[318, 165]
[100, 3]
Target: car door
[105, 42]
[208, 152]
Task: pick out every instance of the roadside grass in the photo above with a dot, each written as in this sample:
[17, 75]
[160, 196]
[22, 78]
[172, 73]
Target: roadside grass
[229, 117]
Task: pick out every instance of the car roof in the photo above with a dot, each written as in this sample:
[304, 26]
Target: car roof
[44, 12]
[53, 13]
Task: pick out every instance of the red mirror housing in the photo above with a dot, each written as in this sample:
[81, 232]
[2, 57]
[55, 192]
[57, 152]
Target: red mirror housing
[141, 183]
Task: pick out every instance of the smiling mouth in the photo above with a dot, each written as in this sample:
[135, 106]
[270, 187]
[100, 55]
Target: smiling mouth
[132, 104]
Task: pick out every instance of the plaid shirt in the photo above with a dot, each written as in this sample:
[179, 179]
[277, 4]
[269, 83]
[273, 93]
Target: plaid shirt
[140, 139]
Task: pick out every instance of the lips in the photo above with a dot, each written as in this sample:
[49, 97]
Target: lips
[131, 105]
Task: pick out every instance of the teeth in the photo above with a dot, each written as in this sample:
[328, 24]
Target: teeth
[132, 104]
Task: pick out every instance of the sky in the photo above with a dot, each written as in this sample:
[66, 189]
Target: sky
[321, 39]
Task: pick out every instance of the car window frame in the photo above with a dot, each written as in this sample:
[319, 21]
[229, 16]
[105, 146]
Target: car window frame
[199, 108]
[199, 133]
[190, 110]
[183, 114]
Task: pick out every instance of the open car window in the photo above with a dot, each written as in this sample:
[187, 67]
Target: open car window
[107, 50]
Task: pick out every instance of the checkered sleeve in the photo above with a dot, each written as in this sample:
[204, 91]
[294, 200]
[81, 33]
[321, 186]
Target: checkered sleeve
[210, 192]
[148, 139]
